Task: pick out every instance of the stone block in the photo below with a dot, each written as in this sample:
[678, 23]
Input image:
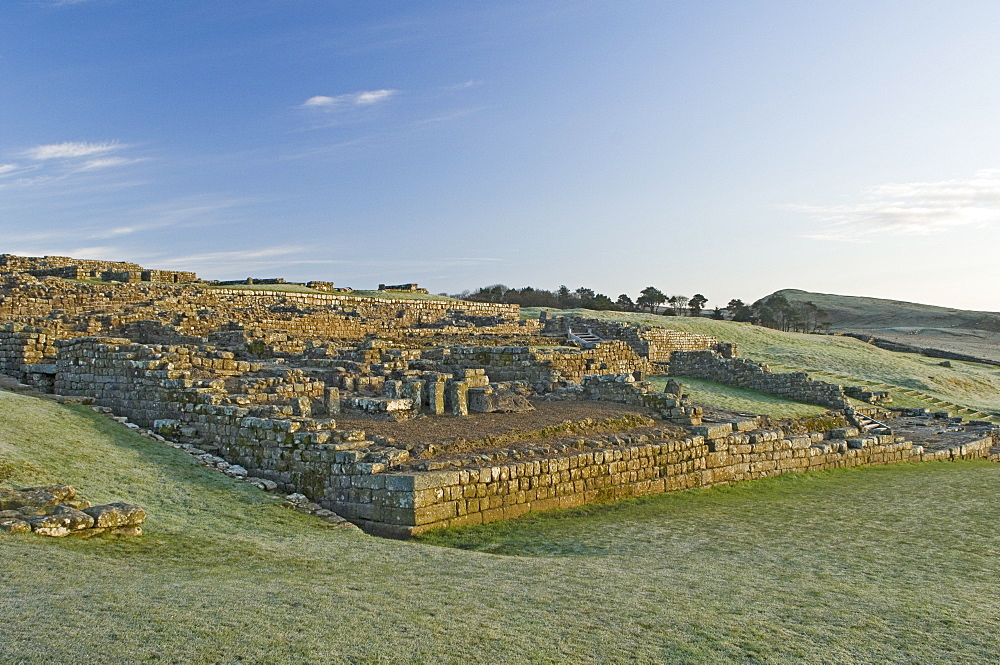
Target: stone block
[116, 514]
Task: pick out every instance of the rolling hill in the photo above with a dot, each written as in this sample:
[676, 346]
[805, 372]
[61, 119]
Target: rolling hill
[960, 331]
[862, 313]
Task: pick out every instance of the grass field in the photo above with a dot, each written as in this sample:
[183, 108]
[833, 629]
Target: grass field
[966, 384]
[887, 564]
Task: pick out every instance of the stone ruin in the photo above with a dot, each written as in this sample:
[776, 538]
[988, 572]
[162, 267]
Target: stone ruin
[264, 380]
[57, 510]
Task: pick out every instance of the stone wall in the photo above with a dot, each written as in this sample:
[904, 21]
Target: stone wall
[407, 504]
[66, 267]
[890, 345]
[198, 310]
[155, 387]
[543, 367]
[22, 347]
[653, 343]
[755, 376]
[264, 422]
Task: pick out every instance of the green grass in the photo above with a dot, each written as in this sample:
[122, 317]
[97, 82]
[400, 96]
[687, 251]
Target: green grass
[741, 399]
[966, 384]
[890, 564]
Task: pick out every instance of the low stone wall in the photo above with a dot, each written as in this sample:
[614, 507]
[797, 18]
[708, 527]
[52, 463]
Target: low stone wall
[403, 505]
[930, 352]
[755, 376]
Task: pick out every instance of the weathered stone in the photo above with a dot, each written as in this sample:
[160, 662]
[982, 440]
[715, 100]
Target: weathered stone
[488, 401]
[14, 525]
[27, 497]
[116, 514]
[62, 517]
[61, 492]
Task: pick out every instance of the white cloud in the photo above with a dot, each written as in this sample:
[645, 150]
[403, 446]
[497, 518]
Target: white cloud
[8, 168]
[915, 208]
[70, 150]
[239, 257]
[363, 98]
[99, 253]
[175, 214]
[106, 162]
[320, 100]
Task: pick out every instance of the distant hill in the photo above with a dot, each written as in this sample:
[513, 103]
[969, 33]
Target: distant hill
[859, 313]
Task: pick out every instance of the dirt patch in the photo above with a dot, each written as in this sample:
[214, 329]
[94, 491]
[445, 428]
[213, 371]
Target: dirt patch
[554, 428]
[937, 433]
[446, 429]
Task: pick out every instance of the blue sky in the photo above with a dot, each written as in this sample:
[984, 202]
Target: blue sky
[728, 148]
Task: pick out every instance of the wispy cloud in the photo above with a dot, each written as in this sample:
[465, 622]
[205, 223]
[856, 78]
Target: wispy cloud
[247, 257]
[108, 162]
[62, 164]
[471, 83]
[174, 215]
[915, 208]
[70, 150]
[448, 116]
[353, 99]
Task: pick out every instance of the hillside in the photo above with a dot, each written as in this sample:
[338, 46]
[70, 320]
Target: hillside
[223, 574]
[967, 384]
[959, 331]
[856, 312]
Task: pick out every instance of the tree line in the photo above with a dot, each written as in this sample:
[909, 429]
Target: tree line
[774, 311]
[651, 299]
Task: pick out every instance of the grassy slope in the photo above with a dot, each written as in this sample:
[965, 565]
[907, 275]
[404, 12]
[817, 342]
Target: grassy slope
[875, 565]
[969, 384]
[861, 312]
